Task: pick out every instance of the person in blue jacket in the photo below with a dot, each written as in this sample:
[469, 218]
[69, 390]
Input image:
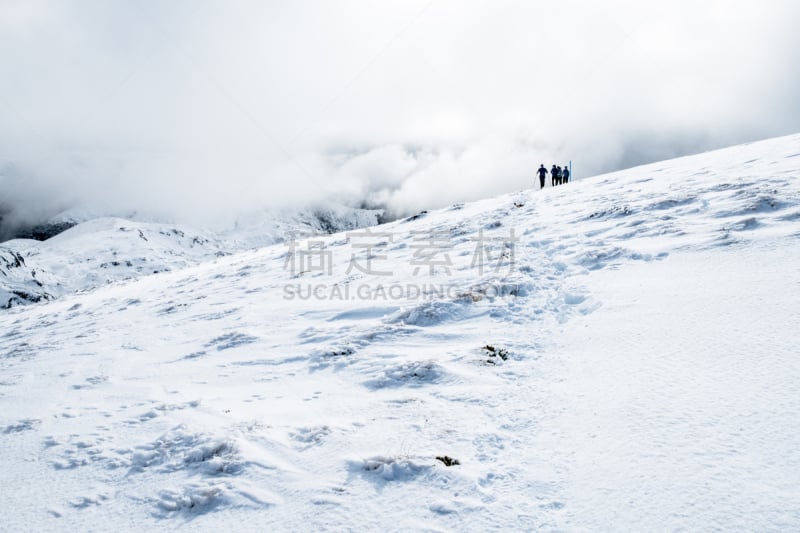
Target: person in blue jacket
[542, 173]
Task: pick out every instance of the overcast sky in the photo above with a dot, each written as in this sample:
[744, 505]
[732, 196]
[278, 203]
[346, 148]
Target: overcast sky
[206, 107]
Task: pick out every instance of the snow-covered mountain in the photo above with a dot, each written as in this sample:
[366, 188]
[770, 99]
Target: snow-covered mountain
[619, 353]
[96, 249]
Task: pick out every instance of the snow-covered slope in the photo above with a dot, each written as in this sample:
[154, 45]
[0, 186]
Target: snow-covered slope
[614, 354]
[98, 250]
[20, 283]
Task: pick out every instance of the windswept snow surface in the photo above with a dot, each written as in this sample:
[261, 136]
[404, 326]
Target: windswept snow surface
[635, 368]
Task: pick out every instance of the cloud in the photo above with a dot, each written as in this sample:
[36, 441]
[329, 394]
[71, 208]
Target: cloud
[198, 108]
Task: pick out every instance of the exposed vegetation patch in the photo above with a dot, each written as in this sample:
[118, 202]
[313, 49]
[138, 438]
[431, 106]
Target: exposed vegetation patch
[447, 460]
[494, 352]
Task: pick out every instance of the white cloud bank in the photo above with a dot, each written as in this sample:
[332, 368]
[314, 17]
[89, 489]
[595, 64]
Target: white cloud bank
[204, 108]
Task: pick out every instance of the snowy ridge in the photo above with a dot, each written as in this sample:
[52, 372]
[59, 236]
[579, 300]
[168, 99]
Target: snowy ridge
[622, 372]
[19, 283]
[97, 251]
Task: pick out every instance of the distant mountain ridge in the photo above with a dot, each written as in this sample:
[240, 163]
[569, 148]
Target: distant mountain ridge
[76, 252]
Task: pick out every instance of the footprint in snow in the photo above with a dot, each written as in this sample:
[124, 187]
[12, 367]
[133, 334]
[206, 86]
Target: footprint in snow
[231, 340]
[412, 374]
[26, 424]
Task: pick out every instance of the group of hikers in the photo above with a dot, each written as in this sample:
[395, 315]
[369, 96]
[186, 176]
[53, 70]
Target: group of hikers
[558, 175]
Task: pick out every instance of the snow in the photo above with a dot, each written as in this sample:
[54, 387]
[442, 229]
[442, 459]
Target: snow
[649, 377]
[697, 403]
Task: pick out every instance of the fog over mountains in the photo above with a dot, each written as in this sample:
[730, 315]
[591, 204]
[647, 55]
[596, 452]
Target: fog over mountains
[195, 111]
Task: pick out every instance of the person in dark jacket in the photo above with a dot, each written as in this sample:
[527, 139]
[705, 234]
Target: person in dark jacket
[553, 175]
[542, 173]
[565, 175]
